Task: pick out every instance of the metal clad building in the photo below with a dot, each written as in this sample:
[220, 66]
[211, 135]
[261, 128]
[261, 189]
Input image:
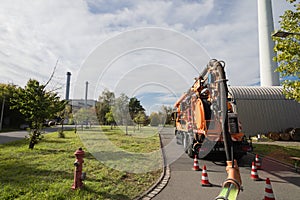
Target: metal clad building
[264, 109]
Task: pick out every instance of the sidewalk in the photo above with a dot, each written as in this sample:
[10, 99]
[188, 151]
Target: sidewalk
[12, 136]
[6, 137]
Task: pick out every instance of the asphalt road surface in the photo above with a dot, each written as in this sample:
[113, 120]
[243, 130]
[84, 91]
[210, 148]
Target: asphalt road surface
[185, 183]
[19, 135]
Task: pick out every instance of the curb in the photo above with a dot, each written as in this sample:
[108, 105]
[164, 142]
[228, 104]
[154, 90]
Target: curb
[162, 181]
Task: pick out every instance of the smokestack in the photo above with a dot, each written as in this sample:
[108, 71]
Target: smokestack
[266, 53]
[86, 93]
[68, 85]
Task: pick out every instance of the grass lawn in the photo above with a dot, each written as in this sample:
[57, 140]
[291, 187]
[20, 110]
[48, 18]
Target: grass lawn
[280, 153]
[46, 172]
[136, 152]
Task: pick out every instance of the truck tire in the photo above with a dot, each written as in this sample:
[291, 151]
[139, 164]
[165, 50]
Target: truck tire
[295, 134]
[190, 151]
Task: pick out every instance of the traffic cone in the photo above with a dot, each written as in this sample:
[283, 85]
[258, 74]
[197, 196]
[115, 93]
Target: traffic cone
[268, 191]
[257, 162]
[196, 164]
[254, 175]
[204, 179]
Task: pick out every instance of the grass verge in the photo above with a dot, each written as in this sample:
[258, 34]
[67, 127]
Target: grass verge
[280, 153]
[46, 172]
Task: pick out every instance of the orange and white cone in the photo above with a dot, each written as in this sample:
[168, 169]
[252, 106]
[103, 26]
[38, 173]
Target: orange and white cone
[204, 180]
[196, 164]
[269, 195]
[257, 162]
[254, 174]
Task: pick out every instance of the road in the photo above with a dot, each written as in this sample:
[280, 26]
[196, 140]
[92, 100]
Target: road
[185, 183]
[19, 135]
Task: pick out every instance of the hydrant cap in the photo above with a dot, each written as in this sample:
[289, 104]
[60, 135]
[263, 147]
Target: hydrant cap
[79, 152]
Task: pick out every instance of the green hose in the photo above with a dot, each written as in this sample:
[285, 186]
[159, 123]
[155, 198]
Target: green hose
[228, 192]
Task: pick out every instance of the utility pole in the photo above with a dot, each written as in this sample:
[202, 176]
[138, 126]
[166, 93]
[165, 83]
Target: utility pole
[2, 112]
[86, 93]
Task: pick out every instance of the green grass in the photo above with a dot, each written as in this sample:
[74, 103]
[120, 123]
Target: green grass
[281, 153]
[136, 152]
[46, 172]
[142, 141]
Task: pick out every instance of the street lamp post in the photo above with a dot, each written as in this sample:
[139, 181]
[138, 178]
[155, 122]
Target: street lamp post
[283, 34]
[2, 112]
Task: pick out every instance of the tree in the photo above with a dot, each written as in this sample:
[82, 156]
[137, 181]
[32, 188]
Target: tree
[103, 106]
[167, 111]
[121, 111]
[154, 119]
[11, 117]
[37, 105]
[85, 116]
[110, 118]
[135, 107]
[287, 49]
[140, 118]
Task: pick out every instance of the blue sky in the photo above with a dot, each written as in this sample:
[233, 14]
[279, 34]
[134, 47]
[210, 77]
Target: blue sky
[35, 34]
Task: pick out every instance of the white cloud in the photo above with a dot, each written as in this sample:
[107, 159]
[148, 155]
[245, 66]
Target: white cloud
[34, 34]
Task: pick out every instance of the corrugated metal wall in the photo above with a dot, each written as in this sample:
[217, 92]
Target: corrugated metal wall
[264, 109]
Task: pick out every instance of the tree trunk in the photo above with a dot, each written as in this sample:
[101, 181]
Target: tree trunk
[31, 144]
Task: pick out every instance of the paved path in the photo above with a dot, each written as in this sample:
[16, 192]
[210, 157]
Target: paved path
[19, 135]
[12, 136]
[184, 183]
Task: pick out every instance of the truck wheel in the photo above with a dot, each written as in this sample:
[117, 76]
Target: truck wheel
[190, 151]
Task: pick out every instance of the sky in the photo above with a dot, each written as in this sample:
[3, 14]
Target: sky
[148, 49]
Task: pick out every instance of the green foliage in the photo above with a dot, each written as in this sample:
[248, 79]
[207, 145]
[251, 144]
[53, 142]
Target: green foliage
[167, 111]
[85, 116]
[120, 110]
[163, 116]
[14, 116]
[135, 107]
[287, 50]
[37, 105]
[110, 109]
[140, 118]
[103, 106]
[110, 118]
[154, 119]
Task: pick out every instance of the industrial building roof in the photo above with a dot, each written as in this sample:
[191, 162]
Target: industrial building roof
[264, 109]
[252, 92]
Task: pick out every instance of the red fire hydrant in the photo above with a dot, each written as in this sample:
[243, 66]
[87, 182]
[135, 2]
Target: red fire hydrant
[78, 175]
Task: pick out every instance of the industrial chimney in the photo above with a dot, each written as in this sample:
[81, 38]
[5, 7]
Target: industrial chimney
[266, 53]
[68, 85]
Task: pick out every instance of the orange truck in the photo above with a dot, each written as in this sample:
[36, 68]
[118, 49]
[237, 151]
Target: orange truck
[206, 120]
